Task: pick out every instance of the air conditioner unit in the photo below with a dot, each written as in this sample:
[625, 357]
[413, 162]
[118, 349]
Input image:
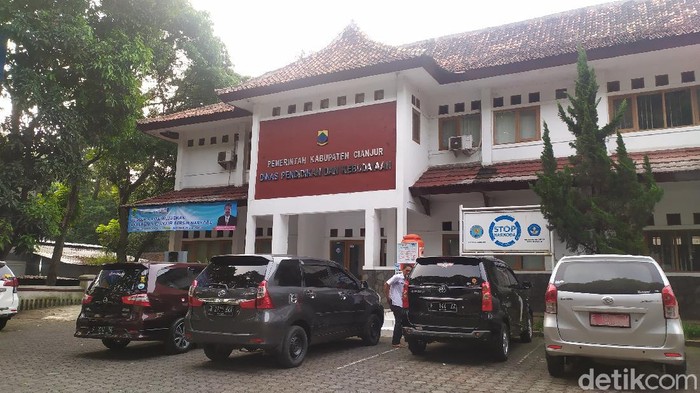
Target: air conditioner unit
[227, 159]
[175, 256]
[461, 143]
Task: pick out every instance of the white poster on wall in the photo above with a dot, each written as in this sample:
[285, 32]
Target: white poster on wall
[512, 230]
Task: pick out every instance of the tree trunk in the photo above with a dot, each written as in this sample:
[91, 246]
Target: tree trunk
[71, 210]
[123, 234]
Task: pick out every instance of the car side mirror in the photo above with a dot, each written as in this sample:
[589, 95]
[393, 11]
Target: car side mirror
[526, 285]
[364, 284]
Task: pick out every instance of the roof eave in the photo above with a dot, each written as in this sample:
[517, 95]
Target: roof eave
[166, 124]
[377, 69]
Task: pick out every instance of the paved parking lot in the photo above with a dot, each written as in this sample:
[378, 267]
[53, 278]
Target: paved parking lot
[40, 354]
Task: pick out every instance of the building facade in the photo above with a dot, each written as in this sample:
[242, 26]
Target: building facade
[343, 152]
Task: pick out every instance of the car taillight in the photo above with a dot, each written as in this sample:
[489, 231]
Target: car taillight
[87, 299]
[404, 294]
[670, 303]
[486, 298]
[192, 300]
[262, 299]
[140, 299]
[11, 282]
[550, 299]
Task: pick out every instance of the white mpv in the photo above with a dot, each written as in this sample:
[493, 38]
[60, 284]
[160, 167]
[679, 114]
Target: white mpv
[9, 301]
[612, 307]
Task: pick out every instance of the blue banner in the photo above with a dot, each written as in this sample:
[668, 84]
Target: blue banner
[184, 217]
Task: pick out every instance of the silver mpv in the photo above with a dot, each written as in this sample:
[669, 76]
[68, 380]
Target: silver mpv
[612, 307]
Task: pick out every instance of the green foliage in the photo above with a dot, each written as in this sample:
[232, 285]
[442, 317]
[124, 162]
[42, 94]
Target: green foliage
[596, 204]
[102, 259]
[691, 330]
[108, 234]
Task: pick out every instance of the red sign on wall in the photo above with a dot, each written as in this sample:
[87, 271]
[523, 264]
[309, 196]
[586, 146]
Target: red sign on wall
[335, 152]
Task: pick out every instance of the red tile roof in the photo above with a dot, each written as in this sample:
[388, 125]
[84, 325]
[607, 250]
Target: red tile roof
[459, 178]
[350, 50]
[194, 195]
[607, 30]
[213, 112]
[593, 27]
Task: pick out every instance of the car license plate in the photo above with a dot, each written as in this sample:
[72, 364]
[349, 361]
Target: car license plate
[220, 310]
[611, 320]
[102, 330]
[443, 307]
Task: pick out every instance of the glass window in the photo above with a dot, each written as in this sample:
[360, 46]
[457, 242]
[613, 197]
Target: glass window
[504, 127]
[316, 276]
[606, 277]
[416, 126]
[288, 273]
[679, 110]
[178, 278]
[342, 280]
[462, 125]
[518, 125]
[626, 121]
[661, 109]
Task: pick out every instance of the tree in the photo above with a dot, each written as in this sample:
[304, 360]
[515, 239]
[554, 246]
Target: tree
[596, 204]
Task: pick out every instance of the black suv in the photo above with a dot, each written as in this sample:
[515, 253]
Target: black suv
[279, 304]
[466, 298]
[134, 301]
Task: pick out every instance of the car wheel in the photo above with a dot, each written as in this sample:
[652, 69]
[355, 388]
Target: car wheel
[217, 353]
[293, 349]
[372, 330]
[115, 344]
[676, 369]
[526, 335]
[501, 343]
[555, 365]
[177, 342]
[417, 347]
[3, 322]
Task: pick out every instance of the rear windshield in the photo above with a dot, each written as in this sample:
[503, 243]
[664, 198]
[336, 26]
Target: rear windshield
[609, 277]
[234, 272]
[122, 281]
[450, 271]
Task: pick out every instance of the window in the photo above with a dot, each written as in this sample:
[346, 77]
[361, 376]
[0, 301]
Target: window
[291, 109]
[378, 95]
[461, 125]
[308, 106]
[342, 100]
[359, 98]
[415, 123]
[342, 280]
[317, 276]
[324, 103]
[288, 273]
[276, 111]
[518, 125]
[177, 278]
[660, 109]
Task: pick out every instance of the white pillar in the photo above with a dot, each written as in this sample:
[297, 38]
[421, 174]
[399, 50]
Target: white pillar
[486, 127]
[250, 224]
[372, 238]
[391, 231]
[280, 233]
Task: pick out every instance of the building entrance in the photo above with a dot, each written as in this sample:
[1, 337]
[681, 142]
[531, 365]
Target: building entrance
[349, 253]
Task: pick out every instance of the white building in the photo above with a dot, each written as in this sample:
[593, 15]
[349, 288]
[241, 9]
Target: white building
[343, 152]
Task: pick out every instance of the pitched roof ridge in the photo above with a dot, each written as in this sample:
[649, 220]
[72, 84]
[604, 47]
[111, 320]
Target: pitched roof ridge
[213, 108]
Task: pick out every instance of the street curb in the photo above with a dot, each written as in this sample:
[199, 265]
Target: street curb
[692, 343]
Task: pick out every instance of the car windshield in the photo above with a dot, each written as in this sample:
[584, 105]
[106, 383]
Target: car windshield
[234, 272]
[450, 271]
[121, 281]
[606, 277]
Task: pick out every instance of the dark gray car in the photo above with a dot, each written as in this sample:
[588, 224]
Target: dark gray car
[280, 304]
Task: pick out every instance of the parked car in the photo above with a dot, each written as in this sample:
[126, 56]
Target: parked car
[462, 298]
[138, 302]
[9, 301]
[612, 307]
[279, 304]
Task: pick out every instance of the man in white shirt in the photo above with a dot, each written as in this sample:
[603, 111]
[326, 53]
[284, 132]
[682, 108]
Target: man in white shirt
[393, 289]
